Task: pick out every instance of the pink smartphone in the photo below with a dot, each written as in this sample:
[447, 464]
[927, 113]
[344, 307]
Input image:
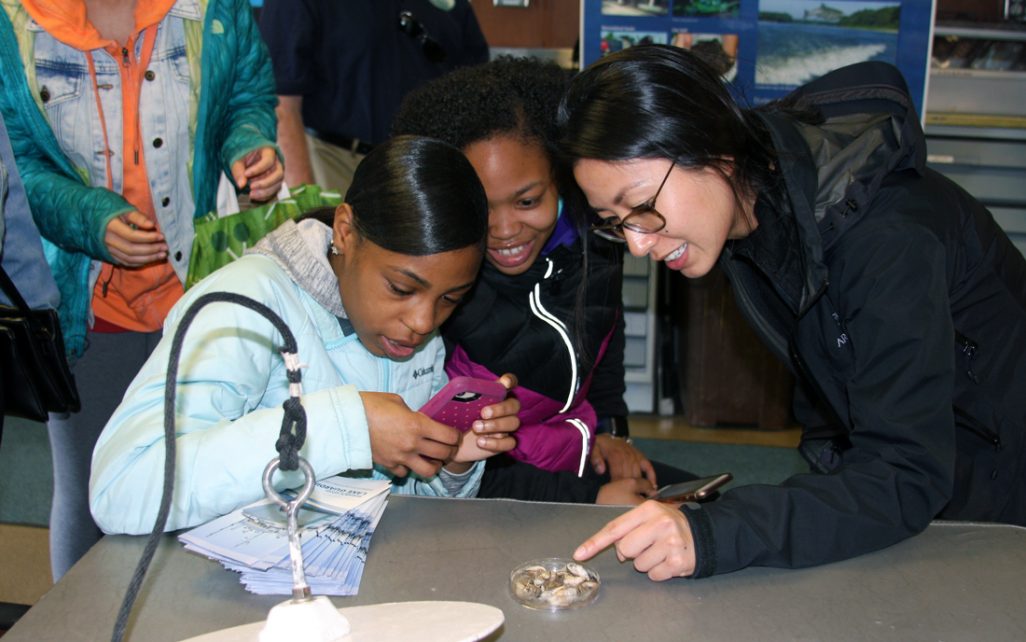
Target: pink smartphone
[459, 402]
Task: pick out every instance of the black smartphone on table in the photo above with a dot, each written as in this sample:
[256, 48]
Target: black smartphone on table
[694, 490]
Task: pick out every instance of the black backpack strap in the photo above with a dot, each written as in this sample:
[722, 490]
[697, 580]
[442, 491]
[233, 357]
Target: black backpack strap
[862, 87]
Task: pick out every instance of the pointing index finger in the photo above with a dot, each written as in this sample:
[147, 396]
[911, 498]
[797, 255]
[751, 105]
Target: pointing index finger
[608, 535]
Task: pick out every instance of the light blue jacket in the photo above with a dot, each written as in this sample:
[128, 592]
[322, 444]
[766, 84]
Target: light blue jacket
[231, 385]
[231, 95]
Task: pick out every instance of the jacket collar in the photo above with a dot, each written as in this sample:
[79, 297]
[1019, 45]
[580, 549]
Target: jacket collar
[66, 20]
[870, 131]
[786, 245]
[302, 251]
[830, 173]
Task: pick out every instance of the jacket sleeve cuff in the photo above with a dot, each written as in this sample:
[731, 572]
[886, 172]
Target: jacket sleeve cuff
[353, 431]
[702, 539]
[460, 484]
[237, 148]
[614, 426]
[444, 484]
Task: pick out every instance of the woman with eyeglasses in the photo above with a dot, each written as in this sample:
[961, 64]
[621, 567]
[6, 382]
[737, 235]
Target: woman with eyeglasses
[547, 304]
[891, 293]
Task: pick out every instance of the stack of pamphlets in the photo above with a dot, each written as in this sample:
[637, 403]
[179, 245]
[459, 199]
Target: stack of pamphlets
[336, 524]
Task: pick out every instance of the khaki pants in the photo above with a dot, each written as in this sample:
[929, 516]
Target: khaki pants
[333, 167]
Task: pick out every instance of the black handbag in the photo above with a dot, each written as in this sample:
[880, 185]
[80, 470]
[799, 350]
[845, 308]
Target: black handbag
[36, 377]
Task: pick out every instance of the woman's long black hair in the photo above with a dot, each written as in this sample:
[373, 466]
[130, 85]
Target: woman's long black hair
[658, 101]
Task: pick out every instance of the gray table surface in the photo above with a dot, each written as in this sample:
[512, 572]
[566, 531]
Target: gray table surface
[955, 581]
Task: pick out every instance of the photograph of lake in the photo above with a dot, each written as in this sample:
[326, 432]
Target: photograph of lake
[800, 40]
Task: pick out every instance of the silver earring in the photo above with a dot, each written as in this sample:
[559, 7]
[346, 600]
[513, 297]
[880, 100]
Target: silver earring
[334, 250]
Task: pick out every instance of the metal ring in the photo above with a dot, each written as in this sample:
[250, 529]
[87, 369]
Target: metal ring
[276, 497]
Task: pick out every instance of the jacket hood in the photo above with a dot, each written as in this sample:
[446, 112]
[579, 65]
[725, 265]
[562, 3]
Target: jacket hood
[66, 20]
[301, 249]
[832, 170]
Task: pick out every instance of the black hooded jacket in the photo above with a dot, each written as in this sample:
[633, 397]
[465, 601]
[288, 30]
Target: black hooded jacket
[900, 306]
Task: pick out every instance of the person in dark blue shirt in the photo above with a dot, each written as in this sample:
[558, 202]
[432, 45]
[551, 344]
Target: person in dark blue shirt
[342, 68]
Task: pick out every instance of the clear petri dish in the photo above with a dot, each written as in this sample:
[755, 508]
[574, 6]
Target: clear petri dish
[554, 584]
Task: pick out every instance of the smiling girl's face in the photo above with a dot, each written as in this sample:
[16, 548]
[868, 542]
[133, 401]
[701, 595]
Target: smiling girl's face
[523, 200]
[395, 301]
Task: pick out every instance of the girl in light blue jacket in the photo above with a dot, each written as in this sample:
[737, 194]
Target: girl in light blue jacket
[364, 298]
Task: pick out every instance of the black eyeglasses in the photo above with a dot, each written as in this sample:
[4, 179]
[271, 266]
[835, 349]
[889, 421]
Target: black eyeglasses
[414, 29]
[643, 219]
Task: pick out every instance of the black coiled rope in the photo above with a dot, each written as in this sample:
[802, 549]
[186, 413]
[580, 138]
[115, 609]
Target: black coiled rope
[290, 440]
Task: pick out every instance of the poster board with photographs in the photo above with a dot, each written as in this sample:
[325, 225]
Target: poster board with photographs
[766, 48]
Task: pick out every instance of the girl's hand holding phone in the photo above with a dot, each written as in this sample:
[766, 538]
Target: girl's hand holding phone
[492, 432]
[403, 440]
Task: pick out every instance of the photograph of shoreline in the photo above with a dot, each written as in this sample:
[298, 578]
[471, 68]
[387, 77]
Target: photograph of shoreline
[800, 40]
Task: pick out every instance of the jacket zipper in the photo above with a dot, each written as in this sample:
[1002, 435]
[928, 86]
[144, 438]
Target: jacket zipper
[126, 62]
[970, 423]
[969, 348]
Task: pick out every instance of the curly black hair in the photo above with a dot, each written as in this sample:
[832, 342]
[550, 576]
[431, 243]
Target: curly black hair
[507, 96]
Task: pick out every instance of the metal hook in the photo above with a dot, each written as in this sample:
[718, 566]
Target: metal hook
[300, 588]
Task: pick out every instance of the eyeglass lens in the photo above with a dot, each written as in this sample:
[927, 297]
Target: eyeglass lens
[644, 218]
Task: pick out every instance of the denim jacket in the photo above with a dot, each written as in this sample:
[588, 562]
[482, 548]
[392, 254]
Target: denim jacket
[65, 88]
[208, 60]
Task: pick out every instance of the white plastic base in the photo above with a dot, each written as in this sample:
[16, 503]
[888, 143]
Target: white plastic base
[315, 619]
[391, 622]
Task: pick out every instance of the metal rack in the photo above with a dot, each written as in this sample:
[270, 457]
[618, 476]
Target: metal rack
[976, 123]
[639, 304]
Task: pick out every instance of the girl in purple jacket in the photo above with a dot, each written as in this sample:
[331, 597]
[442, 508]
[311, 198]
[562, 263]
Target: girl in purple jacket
[547, 305]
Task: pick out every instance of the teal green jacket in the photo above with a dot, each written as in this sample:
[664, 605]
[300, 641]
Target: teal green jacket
[233, 99]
